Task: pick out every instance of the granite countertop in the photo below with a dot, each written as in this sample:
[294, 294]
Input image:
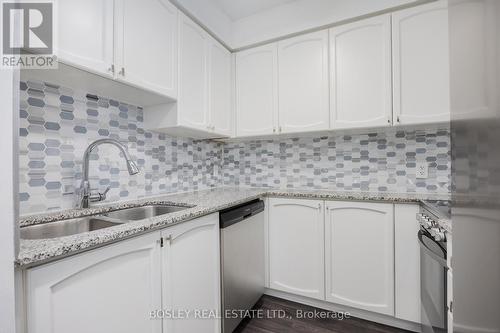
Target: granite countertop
[36, 252]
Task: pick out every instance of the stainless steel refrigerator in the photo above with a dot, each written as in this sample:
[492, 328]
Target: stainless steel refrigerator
[474, 27]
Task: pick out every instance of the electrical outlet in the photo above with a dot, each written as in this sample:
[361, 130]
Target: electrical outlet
[422, 170]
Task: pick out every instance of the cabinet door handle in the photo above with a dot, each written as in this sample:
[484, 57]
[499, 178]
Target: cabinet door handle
[399, 120]
[280, 129]
[274, 129]
[319, 206]
[122, 71]
[111, 68]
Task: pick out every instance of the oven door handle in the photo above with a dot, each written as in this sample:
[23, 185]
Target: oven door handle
[429, 252]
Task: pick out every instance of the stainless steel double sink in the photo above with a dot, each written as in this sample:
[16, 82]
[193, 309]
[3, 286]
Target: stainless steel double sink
[96, 222]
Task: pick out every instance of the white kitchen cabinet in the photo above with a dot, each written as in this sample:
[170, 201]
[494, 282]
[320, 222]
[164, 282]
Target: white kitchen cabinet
[421, 64]
[360, 65]
[146, 44]
[303, 83]
[86, 34]
[193, 75]
[359, 255]
[296, 246]
[203, 109]
[407, 262]
[111, 289]
[257, 91]
[191, 280]
[221, 115]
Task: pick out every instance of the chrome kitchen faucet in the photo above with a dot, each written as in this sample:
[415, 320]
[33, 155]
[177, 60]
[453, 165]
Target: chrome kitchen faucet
[85, 195]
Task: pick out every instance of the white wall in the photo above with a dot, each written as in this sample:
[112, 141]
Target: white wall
[8, 233]
[282, 20]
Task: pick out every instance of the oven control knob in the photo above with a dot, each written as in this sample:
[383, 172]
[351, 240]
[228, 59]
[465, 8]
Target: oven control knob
[438, 234]
[428, 223]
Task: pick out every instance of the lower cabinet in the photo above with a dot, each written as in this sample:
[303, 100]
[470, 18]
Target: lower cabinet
[407, 262]
[359, 250]
[296, 253]
[191, 275]
[115, 288]
[112, 289]
[364, 255]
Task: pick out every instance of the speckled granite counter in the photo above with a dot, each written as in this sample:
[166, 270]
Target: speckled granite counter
[35, 252]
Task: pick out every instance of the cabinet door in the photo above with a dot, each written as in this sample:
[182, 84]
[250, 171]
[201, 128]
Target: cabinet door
[359, 252]
[421, 64]
[257, 91]
[146, 44]
[191, 279]
[303, 83]
[220, 89]
[86, 34]
[296, 246]
[112, 289]
[361, 74]
[407, 262]
[193, 75]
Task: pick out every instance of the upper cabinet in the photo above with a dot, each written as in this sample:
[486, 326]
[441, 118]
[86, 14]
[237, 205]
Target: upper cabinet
[203, 109]
[303, 83]
[86, 34]
[221, 117]
[421, 64]
[361, 74]
[146, 44]
[358, 75]
[257, 91]
[193, 75]
[108, 38]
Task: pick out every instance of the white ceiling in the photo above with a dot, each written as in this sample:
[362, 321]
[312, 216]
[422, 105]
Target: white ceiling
[237, 9]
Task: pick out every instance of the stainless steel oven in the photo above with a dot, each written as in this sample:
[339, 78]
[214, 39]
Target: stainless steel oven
[433, 269]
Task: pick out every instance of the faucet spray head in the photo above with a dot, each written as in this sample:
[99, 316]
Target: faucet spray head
[132, 167]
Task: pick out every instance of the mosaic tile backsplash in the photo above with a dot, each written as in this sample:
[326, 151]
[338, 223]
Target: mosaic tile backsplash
[369, 162]
[58, 123]
[56, 126]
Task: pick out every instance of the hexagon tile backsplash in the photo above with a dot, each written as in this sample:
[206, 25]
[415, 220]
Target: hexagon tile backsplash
[57, 124]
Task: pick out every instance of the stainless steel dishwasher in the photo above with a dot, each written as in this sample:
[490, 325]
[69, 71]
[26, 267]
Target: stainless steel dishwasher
[242, 260]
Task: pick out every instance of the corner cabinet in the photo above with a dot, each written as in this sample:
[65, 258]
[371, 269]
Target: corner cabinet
[86, 35]
[117, 287]
[220, 79]
[257, 91]
[420, 57]
[303, 83]
[191, 274]
[360, 54]
[112, 289]
[296, 253]
[359, 251]
[193, 75]
[146, 44]
[203, 109]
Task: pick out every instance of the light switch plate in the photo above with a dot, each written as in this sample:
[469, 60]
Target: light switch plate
[422, 170]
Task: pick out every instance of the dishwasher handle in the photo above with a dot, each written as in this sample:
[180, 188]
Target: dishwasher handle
[240, 213]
